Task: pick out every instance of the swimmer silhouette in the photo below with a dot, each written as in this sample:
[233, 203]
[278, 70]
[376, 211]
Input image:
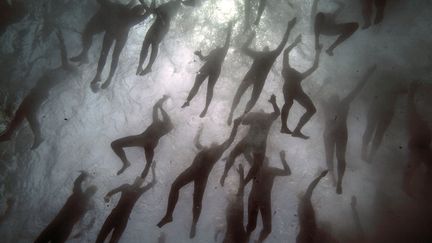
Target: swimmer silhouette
[309, 230]
[379, 117]
[368, 12]
[115, 20]
[118, 219]
[261, 7]
[257, 74]
[29, 107]
[236, 232]
[10, 202]
[198, 172]
[11, 12]
[74, 209]
[260, 196]
[148, 140]
[255, 141]
[336, 132]
[248, 8]
[293, 90]
[325, 24]
[160, 27]
[211, 69]
[419, 145]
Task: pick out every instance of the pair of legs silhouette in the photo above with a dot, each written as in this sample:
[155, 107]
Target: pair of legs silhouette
[377, 124]
[297, 94]
[27, 110]
[324, 26]
[199, 178]
[264, 207]
[368, 12]
[212, 76]
[336, 141]
[96, 25]
[116, 222]
[153, 38]
[134, 141]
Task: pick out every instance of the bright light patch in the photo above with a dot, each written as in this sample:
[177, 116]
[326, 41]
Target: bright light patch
[225, 10]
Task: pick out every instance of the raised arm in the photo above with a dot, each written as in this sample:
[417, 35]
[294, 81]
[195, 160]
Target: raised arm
[197, 142]
[115, 191]
[228, 37]
[78, 181]
[155, 116]
[229, 141]
[315, 64]
[276, 110]
[351, 96]
[157, 106]
[152, 183]
[286, 170]
[314, 10]
[63, 51]
[242, 182]
[245, 48]
[165, 118]
[313, 184]
[288, 50]
[290, 26]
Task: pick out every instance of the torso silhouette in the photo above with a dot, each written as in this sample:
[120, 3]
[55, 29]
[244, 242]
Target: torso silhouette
[129, 196]
[260, 124]
[292, 79]
[206, 159]
[336, 115]
[166, 12]
[263, 184]
[157, 130]
[262, 64]
[74, 208]
[214, 61]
